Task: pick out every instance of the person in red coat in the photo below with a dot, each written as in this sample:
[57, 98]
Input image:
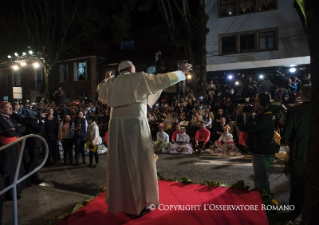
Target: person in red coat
[202, 138]
[242, 142]
[177, 130]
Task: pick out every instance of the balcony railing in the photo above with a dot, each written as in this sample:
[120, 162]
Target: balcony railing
[16, 181]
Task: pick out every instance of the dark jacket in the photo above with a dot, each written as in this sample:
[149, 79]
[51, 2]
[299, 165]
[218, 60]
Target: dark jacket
[260, 129]
[296, 130]
[79, 135]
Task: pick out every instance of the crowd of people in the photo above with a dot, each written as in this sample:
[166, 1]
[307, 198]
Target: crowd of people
[188, 124]
[209, 120]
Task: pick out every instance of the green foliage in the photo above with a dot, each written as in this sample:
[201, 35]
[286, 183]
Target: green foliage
[301, 4]
[239, 185]
[160, 177]
[184, 180]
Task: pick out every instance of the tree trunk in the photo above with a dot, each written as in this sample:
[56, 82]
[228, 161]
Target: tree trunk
[311, 208]
[202, 76]
[309, 14]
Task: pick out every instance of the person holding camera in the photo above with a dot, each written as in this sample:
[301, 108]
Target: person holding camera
[10, 130]
[34, 124]
[260, 139]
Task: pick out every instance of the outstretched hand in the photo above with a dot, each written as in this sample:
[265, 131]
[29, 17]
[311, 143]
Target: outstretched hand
[186, 67]
[108, 74]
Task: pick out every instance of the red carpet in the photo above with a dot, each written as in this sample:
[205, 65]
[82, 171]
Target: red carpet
[175, 193]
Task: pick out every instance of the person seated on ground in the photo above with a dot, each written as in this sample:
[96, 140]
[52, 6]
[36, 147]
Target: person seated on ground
[219, 115]
[177, 130]
[196, 123]
[225, 145]
[202, 138]
[182, 144]
[168, 122]
[162, 140]
[183, 121]
[242, 142]
[219, 128]
[175, 117]
[208, 121]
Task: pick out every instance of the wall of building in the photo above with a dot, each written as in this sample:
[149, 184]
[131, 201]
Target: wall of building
[292, 40]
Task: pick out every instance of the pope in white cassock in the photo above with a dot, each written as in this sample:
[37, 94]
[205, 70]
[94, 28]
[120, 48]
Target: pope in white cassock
[131, 177]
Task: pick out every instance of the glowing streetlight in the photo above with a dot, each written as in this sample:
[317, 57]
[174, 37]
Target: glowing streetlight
[261, 76]
[230, 77]
[292, 70]
[23, 53]
[16, 54]
[9, 57]
[23, 63]
[36, 65]
[30, 52]
[189, 76]
[236, 83]
[15, 67]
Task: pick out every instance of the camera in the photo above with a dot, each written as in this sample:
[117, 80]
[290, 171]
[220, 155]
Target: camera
[247, 107]
[26, 112]
[244, 102]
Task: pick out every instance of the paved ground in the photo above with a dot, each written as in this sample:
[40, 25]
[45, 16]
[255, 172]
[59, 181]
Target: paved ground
[65, 186]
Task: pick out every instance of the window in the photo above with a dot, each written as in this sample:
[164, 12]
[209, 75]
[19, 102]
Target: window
[267, 5]
[247, 42]
[64, 75]
[229, 44]
[226, 7]
[246, 6]
[38, 78]
[127, 45]
[82, 95]
[239, 7]
[80, 71]
[267, 40]
[3, 79]
[16, 78]
[6, 98]
[151, 70]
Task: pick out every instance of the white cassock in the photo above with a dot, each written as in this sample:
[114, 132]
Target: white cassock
[131, 176]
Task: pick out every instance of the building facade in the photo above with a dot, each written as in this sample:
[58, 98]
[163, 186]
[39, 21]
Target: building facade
[250, 34]
[24, 84]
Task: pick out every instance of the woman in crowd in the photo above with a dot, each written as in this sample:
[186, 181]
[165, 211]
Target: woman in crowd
[182, 143]
[79, 138]
[207, 121]
[51, 128]
[168, 122]
[10, 130]
[195, 123]
[162, 140]
[93, 136]
[66, 136]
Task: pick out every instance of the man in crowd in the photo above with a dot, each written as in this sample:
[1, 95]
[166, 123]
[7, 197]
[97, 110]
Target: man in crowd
[131, 177]
[260, 139]
[202, 138]
[265, 86]
[281, 94]
[296, 134]
[219, 128]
